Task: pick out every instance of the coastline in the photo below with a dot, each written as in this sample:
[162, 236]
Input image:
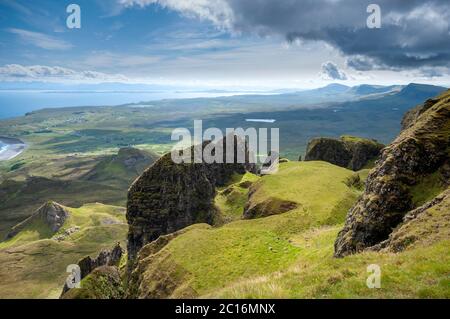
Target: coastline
[14, 147]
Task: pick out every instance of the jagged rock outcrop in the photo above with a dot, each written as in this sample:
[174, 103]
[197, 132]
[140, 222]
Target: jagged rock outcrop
[348, 151]
[169, 196]
[105, 258]
[103, 283]
[419, 155]
[425, 224]
[412, 115]
[52, 214]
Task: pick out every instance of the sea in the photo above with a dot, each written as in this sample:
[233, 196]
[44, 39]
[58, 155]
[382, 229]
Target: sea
[15, 103]
[3, 147]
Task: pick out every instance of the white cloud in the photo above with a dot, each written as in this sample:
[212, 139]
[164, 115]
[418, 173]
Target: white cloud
[330, 71]
[41, 40]
[17, 72]
[216, 11]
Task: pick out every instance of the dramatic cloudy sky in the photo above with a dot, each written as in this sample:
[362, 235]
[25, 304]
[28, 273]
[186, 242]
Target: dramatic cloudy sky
[226, 43]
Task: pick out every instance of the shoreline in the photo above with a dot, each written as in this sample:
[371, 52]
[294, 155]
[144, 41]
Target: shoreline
[14, 147]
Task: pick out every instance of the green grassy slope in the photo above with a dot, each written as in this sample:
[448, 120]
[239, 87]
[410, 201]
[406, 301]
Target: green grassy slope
[209, 258]
[36, 260]
[290, 255]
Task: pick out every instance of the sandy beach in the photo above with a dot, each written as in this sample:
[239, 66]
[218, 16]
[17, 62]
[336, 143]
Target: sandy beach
[14, 148]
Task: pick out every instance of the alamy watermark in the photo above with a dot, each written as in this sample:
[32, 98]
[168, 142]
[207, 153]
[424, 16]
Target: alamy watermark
[234, 146]
[374, 19]
[73, 280]
[73, 21]
[374, 279]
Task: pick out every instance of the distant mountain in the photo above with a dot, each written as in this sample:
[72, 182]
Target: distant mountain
[420, 91]
[412, 90]
[366, 89]
[333, 88]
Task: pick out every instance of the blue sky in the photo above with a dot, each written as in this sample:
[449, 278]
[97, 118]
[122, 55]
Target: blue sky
[209, 43]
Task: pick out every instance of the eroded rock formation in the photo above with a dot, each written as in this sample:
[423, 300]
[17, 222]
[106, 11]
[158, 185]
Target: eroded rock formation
[348, 151]
[106, 258]
[51, 214]
[425, 224]
[402, 175]
[169, 196]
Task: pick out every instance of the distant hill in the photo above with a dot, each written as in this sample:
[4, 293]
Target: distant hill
[122, 168]
[35, 260]
[333, 88]
[106, 182]
[366, 89]
[420, 91]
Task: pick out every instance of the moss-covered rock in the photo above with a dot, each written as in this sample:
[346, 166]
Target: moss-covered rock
[170, 196]
[412, 115]
[156, 275]
[348, 151]
[424, 225]
[88, 264]
[103, 283]
[420, 155]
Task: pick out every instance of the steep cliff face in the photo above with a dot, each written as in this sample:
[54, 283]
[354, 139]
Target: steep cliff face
[348, 151]
[412, 115]
[169, 196]
[51, 214]
[411, 171]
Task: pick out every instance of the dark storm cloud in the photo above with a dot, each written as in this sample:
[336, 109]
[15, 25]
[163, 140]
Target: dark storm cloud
[330, 71]
[413, 33]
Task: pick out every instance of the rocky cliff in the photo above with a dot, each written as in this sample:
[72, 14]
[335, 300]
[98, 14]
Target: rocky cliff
[426, 224]
[169, 196]
[348, 151]
[106, 258]
[413, 170]
[412, 115]
[51, 214]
